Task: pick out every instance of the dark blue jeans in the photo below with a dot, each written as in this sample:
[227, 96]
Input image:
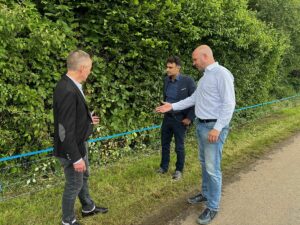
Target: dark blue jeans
[172, 126]
[76, 185]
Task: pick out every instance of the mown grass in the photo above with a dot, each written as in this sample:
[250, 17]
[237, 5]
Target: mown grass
[131, 188]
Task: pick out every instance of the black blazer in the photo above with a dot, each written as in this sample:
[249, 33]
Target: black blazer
[72, 121]
[186, 88]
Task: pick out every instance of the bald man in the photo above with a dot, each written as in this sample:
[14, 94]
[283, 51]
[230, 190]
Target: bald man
[73, 124]
[214, 101]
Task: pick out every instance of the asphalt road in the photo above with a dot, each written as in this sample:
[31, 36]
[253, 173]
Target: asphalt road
[267, 194]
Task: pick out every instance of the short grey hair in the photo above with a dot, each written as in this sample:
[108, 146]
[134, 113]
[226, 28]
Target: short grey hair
[76, 59]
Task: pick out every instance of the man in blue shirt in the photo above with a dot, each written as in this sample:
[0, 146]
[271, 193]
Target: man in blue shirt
[214, 101]
[176, 87]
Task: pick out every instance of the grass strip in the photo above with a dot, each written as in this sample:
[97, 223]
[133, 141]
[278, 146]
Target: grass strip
[132, 189]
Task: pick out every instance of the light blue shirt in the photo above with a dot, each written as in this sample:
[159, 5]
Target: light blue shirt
[79, 85]
[214, 97]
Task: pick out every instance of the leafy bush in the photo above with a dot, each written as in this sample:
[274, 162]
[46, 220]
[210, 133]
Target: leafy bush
[130, 41]
[32, 55]
[273, 12]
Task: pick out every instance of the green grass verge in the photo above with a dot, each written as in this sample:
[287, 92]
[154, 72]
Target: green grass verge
[132, 189]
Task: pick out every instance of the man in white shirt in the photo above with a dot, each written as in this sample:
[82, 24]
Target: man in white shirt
[214, 101]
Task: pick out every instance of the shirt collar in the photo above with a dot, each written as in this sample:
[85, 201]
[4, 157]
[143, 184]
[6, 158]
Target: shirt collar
[178, 77]
[211, 66]
[79, 85]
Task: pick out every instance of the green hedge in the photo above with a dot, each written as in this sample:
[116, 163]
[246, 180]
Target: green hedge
[32, 54]
[130, 41]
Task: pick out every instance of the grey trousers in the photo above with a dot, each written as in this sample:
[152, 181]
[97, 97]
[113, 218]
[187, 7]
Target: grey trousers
[76, 184]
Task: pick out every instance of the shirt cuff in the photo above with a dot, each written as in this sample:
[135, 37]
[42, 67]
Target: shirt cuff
[77, 161]
[218, 126]
[174, 107]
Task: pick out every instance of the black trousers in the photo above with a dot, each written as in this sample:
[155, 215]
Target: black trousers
[172, 126]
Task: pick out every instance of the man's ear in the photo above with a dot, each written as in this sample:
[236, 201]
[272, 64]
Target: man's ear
[81, 68]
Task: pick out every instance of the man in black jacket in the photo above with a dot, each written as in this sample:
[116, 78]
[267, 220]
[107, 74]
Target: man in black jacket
[73, 124]
[176, 87]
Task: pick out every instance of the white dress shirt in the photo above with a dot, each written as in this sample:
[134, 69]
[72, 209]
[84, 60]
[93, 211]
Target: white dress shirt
[214, 97]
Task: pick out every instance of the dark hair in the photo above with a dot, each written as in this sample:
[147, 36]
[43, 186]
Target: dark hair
[174, 59]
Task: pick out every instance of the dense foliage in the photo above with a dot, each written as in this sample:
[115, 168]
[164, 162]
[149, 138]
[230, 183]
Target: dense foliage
[285, 17]
[32, 55]
[130, 41]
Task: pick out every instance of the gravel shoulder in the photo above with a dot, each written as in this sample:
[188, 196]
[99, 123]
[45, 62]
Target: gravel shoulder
[268, 193]
[264, 191]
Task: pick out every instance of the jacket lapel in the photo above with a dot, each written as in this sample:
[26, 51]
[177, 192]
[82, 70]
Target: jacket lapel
[78, 92]
[166, 87]
[179, 87]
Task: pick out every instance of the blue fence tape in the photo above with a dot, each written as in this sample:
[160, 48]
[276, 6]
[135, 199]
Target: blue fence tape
[26, 154]
[124, 133]
[47, 150]
[265, 103]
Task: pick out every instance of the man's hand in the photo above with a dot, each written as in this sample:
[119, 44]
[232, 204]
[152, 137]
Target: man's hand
[95, 119]
[213, 136]
[186, 122]
[166, 107]
[79, 166]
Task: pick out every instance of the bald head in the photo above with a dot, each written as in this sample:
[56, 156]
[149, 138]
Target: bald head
[204, 49]
[202, 57]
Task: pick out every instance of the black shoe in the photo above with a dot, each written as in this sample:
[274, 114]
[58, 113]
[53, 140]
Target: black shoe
[95, 211]
[72, 223]
[197, 199]
[161, 171]
[76, 223]
[177, 175]
[206, 216]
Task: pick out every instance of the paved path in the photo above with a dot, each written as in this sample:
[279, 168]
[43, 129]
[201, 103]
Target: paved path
[268, 194]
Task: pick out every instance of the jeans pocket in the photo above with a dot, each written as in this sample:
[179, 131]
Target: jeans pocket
[210, 125]
[224, 134]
